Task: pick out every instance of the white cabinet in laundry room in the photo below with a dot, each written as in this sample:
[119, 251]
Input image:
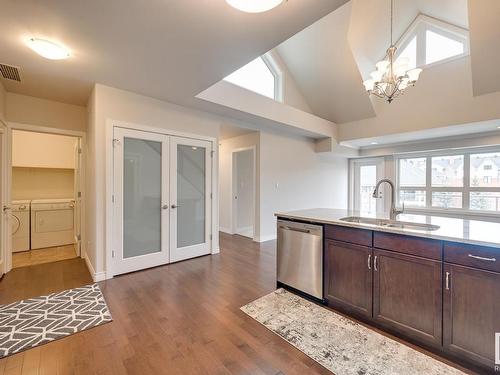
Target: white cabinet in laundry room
[40, 150]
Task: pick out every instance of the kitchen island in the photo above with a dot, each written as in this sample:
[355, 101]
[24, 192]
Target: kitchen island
[436, 285]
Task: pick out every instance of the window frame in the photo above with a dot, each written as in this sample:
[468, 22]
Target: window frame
[466, 189]
[418, 28]
[354, 182]
[276, 72]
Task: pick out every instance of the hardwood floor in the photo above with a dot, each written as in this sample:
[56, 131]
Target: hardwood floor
[46, 255]
[182, 318]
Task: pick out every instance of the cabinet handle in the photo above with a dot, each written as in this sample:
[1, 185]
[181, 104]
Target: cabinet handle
[482, 258]
[447, 281]
[375, 263]
[369, 261]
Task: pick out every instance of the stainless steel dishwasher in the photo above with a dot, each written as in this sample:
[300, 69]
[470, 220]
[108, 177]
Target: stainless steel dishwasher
[300, 257]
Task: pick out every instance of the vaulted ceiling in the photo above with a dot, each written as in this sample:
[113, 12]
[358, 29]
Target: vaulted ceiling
[330, 59]
[167, 49]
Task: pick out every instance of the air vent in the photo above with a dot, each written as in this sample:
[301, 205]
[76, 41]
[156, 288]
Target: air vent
[10, 72]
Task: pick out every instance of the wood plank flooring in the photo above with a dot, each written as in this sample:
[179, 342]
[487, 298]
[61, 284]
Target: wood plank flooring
[46, 255]
[182, 318]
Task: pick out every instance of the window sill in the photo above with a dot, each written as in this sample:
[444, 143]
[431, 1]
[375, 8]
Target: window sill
[453, 213]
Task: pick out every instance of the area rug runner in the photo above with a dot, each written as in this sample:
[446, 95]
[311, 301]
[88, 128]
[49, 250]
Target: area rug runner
[338, 343]
[36, 321]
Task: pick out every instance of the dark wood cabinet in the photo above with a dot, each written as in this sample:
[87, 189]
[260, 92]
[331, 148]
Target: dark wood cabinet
[440, 294]
[348, 281]
[471, 313]
[407, 295]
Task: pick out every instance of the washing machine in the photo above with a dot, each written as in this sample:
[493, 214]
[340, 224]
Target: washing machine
[52, 223]
[20, 225]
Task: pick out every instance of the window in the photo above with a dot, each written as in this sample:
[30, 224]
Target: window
[260, 75]
[465, 180]
[429, 41]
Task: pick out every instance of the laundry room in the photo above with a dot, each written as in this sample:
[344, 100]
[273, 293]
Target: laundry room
[45, 197]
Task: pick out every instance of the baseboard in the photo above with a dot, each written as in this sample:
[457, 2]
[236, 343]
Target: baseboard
[225, 230]
[270, 237]
[96, 276]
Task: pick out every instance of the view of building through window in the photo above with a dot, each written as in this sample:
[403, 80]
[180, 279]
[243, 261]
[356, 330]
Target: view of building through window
[469, 181]
[367, 182]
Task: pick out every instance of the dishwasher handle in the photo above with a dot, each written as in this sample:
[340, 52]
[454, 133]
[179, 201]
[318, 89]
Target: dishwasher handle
[297, 229]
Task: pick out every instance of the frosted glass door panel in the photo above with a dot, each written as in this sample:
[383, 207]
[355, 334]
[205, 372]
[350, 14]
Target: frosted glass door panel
[142, 189]
[190, 187]
[191, 195]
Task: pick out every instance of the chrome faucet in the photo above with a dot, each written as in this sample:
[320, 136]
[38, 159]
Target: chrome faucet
[394, 212]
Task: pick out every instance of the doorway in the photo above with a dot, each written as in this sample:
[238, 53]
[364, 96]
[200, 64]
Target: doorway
[365, 173]
[4, 240]
[45, 197]
[243, 162]
[162, 199]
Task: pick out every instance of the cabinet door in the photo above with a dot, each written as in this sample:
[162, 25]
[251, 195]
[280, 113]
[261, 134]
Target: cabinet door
[348, 277]
[407, 295]
[471, 313]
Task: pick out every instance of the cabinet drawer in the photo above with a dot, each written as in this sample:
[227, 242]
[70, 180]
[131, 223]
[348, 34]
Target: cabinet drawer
[422, 247]
[346, 234]
[486, 258]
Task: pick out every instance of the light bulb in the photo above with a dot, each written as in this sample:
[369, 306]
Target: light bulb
[369, 84]
[413, 74]
[254, 6]
[48, 49]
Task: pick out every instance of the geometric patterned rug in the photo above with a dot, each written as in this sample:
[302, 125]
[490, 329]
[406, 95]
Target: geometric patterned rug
[339, 344]
[36, 321]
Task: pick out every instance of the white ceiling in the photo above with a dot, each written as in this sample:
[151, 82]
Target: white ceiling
[167, 49]
[321, 61]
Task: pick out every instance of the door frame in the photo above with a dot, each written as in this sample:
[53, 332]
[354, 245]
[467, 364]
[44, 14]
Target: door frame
[5, 240]
[109, 186]
[7, 255]
[234, 206]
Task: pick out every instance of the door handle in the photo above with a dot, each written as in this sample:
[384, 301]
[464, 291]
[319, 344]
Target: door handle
[375, 263]
[447, 286]
[297, 230]
[482, 258]
[165, 207]
[174, 206]
[369, 261]
[6, 208]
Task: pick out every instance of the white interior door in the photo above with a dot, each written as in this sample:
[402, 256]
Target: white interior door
[141, 200]
[243, 192]
[190, 198]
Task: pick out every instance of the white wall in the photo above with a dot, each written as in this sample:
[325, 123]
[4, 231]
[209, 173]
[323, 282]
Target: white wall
[226, 148]
[35, 111]
[42, 150]
[293, 176]
[107, 104]
[428, 105]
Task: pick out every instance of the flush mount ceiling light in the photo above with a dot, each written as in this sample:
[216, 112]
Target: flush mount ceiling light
[254, 6]
[48, 49]
[391, 78]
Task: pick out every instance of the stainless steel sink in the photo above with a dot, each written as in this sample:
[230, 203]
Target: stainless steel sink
[390, 223]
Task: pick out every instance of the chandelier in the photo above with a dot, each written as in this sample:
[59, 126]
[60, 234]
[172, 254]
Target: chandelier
[392, 77]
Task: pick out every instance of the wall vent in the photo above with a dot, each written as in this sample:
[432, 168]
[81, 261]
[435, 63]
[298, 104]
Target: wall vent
[10, 72]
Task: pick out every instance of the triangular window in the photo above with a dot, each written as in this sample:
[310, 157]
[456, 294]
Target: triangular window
[439, 47]
[258, 76]
[429, 41]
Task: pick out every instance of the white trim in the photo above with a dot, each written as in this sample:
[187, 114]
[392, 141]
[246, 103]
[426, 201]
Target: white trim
[234, 211]
[277, 72]
[4, 220]
[7, 255]
[225, 230]
[353, 193]
[269, 237]
[418, 28]
[96, 276]
[108, 235]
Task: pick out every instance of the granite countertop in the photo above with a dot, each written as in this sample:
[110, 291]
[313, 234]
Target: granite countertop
[476, 232]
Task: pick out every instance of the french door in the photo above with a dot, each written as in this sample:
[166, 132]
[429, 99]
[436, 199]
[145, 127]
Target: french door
[365, 175]
[190, 197]
[162, 204]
